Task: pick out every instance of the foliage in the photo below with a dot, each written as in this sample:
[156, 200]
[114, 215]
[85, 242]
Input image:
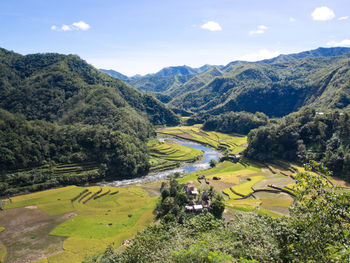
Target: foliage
[212, 163]
[317, 231]
[29, 144]
[235, 122]
[274, 87]
[173, 201]
[231, 122]
[56, 87]
[306, 135]
[320, 219]
[171, 207]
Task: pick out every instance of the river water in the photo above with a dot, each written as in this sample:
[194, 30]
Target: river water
[208, 154]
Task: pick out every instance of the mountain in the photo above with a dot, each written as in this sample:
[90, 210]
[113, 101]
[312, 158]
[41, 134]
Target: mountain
[115, 74]
[65, 89]
[304, 136]
[64, 122]
[319, 52]
[274, 88]
[164, 80]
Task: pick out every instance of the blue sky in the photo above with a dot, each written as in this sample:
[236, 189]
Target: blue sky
[139, 36]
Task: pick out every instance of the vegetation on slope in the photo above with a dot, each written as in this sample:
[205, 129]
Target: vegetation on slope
[102, 153]
[306, 135]
[316, 231]
[275, 89]
[64, 88]
[231, 122]
[56, 109]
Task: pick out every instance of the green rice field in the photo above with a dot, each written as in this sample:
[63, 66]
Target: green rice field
[84, 220]
[69, 223]
[217, 140]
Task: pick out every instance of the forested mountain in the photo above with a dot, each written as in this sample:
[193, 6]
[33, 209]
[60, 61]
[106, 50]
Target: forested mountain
[164, 80]
[276, 88]
[31, 151]
[303, 136]
[66, 89]
[58, 109]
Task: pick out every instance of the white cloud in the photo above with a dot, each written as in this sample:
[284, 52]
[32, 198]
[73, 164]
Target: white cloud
[260, 55]
[212, 26]
[292, 19]
[343, 18]
[66, 28]
[322, 14]
[259, 30]
[343, 43]
[81, 25]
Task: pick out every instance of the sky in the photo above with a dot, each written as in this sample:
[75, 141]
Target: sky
[144, 36]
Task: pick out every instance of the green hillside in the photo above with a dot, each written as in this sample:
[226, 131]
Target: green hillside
[275, 89]
[276, 86]
[64, 122]
[304, 136]
[66, 89]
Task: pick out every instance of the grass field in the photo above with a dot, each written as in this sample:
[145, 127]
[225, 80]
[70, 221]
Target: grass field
[85, 225]
[217, 140]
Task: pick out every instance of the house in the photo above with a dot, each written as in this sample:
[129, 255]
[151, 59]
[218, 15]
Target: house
[189, 208]
[190, 189]
[198, 208]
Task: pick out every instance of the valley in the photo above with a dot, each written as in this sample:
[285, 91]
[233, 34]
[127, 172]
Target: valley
[73, 222]
[95, 170]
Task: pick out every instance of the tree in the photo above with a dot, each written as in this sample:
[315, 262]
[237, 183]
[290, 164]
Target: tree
[212, 163]
[217, 208]
[320, 220]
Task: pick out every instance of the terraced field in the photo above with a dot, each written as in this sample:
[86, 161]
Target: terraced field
[66, 224]
[217, 140]
[237, 180]
[173, 152]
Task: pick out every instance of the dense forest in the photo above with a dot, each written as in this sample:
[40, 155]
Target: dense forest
[275, 87]
[303, 136]
[57, 109]
[66, 89]
[28, 144]
[316, 231]
[231, 122]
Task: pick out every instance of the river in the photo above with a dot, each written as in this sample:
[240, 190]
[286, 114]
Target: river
[208, 154]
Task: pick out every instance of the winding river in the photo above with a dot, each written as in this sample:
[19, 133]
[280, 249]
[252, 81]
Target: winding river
[208, 154]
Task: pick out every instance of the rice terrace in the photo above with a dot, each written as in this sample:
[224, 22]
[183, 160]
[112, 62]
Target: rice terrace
[73, 222]
[175, 131]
